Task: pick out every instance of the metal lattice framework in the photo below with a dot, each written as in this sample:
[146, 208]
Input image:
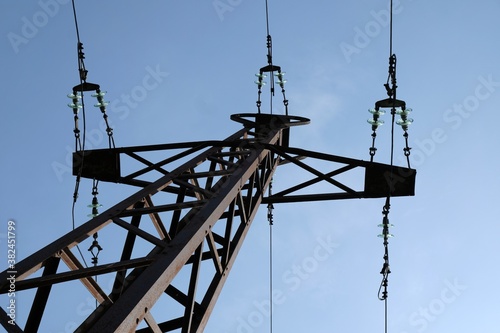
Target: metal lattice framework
[195, 204]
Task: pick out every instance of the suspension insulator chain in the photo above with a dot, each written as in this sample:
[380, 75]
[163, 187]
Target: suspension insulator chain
[95, 248]
[75, 105]
[270, 207]
[102, 106]
[375, 121]
[404, 122]
[385, 271]
[281, 82]
[260, 83]
[391, 89]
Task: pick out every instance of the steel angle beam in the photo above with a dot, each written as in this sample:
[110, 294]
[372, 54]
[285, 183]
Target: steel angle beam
[221, 184]
[380, 180]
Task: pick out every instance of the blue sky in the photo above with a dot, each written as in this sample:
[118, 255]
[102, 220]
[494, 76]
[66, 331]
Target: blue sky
[176, 71]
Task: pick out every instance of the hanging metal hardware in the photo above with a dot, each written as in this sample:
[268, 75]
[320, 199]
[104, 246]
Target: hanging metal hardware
[274, 71]
[397, 107]
[95, 203]
[270, 218]
[76, 106]
[270, 207]
[95, 248]
[382, 292]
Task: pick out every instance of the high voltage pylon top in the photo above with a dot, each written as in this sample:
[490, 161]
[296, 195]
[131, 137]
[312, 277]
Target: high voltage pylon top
[176, 238]
[194, 205]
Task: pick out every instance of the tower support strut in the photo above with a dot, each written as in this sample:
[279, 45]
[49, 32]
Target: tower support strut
[195, 204]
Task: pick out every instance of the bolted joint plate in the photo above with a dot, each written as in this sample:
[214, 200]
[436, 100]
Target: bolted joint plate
[102, 164]
[382, 180]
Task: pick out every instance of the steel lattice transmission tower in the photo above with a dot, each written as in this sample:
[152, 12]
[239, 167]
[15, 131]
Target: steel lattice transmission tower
[193, 208]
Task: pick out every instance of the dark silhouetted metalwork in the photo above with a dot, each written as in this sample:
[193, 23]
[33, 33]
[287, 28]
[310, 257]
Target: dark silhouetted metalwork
[193, 208]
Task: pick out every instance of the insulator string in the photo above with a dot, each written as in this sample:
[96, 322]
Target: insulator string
[270, 219]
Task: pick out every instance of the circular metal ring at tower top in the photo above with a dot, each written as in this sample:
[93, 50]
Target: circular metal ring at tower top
[260, 119]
